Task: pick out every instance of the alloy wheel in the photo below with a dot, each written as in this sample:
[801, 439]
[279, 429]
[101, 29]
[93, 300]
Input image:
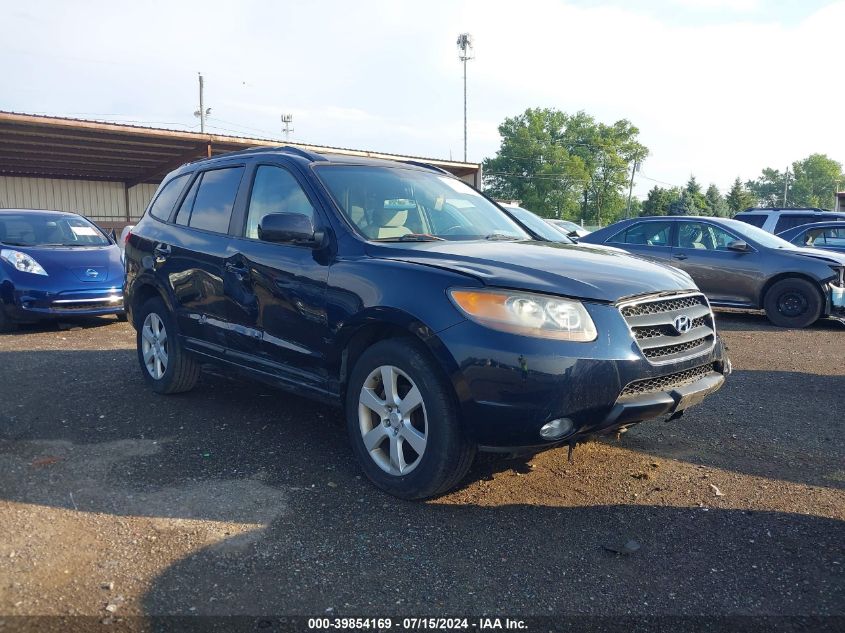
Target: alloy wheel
[392, 419]
[154, 345]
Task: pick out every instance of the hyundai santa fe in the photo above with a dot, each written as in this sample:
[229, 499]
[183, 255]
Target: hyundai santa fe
[405, 296]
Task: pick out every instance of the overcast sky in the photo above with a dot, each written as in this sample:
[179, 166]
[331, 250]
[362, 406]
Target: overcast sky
[718, 88]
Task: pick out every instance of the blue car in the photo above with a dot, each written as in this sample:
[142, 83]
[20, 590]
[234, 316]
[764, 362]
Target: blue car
[56, 264]
[829, 236]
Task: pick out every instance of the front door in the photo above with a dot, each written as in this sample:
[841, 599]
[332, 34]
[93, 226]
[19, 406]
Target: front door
[284, 283]
[724, 275]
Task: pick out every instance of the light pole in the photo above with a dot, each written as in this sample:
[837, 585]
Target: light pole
[203, 112]
[465, 54]
[287, 119]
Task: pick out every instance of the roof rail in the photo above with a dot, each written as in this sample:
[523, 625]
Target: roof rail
[427, 166]
[271, 148]
[301, 152]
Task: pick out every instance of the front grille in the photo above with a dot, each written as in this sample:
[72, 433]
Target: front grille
[656, 306]
[652, 323]
[668, 382]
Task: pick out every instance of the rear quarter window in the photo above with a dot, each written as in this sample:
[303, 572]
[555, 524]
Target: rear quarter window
[791, 221]
[162, 206]
[753, 220]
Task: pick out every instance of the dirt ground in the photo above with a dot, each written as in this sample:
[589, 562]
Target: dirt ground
[238, 499]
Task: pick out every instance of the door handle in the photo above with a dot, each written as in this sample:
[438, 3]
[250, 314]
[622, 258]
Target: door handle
[680, 256]
[161, 251]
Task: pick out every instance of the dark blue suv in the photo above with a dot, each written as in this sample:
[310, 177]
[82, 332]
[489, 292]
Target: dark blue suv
[414, 302]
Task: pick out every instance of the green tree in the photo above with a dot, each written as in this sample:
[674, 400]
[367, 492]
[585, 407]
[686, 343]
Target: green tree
[716, 204]
[659, 200]
[815, 181]
[767, 189]
[565, 166]
[739, 197]
[692, 201]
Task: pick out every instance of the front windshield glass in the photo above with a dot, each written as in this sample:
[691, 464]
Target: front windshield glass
[395, 204]
[538, 225]
[763, 238]
[49, 229]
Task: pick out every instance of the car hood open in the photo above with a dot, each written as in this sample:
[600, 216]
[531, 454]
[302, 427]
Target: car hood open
[561, 269]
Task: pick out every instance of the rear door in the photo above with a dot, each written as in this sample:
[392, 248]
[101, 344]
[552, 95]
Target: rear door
[725, 276]
[201, 285]
[282, 286]
[650, 238]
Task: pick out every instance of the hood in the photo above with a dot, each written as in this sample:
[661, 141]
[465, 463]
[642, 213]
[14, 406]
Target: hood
[91, 264]
[563, 269]
[829, 257]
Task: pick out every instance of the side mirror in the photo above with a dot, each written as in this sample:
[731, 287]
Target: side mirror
[740, 246]
[292, 228]
[573, 235]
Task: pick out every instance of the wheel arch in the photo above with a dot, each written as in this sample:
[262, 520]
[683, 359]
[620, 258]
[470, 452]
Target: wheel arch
[143, 290]
[791, 275]
[378, 325]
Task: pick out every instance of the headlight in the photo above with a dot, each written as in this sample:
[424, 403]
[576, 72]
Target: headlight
[528, 314]
[22, 262]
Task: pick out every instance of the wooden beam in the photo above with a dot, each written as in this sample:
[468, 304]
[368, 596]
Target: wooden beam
[167, 167]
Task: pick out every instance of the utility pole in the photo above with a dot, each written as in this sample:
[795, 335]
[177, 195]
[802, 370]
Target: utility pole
[465, 54]
[785, 185]
[634, 168]
[287, 119]
[203, 112]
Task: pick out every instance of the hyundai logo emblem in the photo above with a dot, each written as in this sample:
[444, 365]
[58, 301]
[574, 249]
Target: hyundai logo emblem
[91, 273]
[683, 323]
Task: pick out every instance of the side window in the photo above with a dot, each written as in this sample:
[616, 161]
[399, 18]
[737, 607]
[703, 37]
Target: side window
[184, 213]
[695, 235]
[757, 220]
[834, 237]
[275, 190]
[720, 238]
[215, 198]
[791, 221]
[645, 234]
[163, 204]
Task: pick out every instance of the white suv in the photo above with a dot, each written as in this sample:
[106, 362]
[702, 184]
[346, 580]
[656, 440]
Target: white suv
[779, 220]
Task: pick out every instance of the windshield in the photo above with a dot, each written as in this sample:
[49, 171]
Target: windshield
[538, 225]
[394, 204]
[764, 238]
[49, 229]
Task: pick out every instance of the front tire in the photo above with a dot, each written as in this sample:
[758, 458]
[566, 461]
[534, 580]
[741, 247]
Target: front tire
[165, 364]
[6, 324]
[793, 302]
[403, 422]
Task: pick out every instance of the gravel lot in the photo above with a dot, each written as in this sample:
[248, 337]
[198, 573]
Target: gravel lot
[238, 499]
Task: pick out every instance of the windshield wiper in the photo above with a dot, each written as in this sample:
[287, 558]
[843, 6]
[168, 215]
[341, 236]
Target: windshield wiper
[500, 236]
[411, 237]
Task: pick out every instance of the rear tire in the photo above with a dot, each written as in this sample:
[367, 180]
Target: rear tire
[408, 440]
[793, 302]
[165, 364]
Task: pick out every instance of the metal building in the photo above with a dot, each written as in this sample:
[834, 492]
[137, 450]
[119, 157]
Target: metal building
[108, 172]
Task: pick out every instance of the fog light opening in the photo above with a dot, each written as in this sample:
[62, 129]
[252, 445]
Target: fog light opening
[556, 429]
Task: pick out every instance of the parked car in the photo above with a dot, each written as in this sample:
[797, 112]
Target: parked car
[414, 302]
[570, 228]
[739, 265]
[56, 264]
[829, 236]
[124, 235]
[540, 229]
[779, 220]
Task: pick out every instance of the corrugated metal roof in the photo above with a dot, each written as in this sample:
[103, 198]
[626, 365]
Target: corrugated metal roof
[62, 147]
